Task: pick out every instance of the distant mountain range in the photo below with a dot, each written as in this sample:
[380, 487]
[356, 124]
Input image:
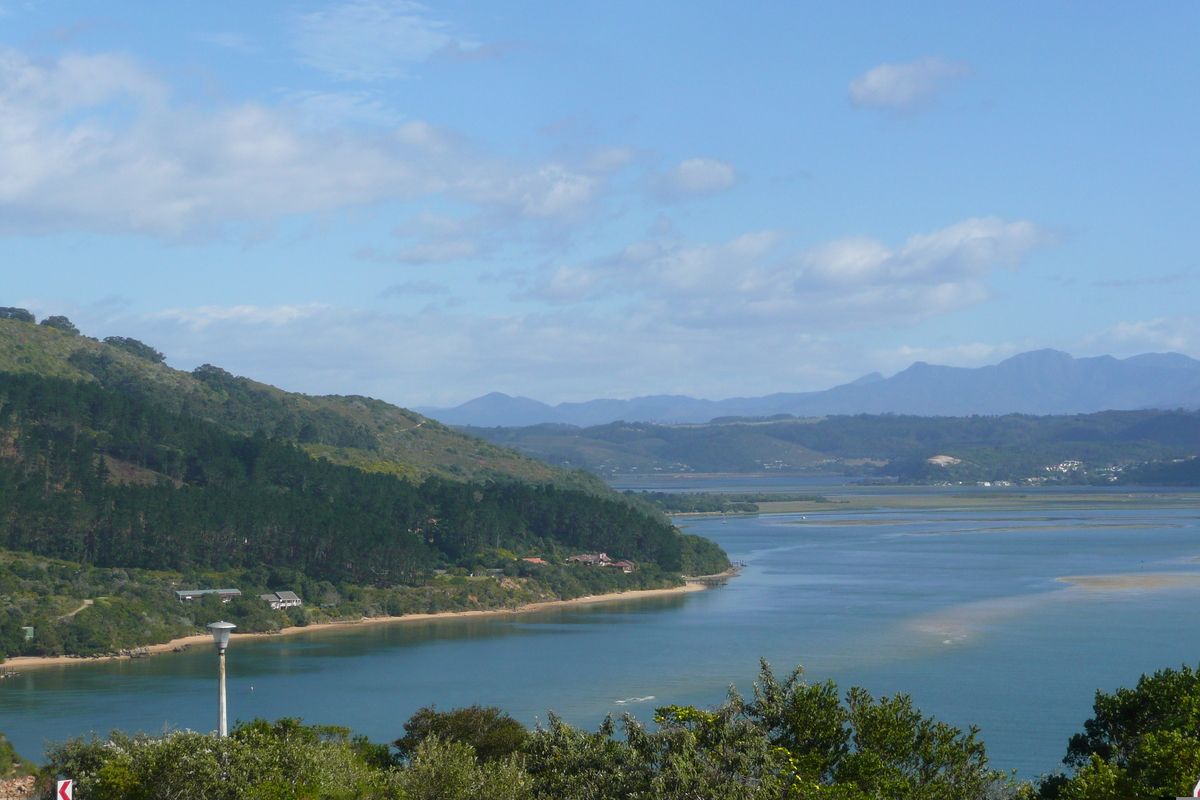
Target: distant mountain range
[1037, 382]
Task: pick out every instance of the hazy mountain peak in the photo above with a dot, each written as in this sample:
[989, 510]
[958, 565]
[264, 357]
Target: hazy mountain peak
[871, 377]
[1046, 381]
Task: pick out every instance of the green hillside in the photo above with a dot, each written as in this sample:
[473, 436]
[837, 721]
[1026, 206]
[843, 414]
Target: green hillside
[1109, 446]
[370, 434]
[101, 478]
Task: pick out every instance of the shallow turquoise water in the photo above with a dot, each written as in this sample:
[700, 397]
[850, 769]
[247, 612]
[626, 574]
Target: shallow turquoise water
[958, 608]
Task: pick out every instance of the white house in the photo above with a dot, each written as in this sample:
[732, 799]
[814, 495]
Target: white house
[281, 600]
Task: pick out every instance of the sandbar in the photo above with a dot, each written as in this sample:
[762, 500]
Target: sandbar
[1125, 582]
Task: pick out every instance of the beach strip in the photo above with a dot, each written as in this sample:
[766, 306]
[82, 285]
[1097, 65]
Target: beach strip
[33, 662]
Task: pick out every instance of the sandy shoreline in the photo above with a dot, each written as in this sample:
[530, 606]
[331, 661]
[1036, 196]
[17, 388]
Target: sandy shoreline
[32, 662]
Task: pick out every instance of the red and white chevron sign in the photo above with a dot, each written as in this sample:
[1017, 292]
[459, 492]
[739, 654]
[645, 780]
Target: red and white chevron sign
[65, 790]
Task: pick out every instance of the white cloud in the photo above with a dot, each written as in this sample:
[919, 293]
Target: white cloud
[695, 177]
[846, 283]
[442, 357]
[93, 142]
[906, 87]
[369, 40]
[1179, 334]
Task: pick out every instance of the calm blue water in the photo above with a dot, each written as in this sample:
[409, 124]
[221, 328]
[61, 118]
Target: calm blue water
[959, 609]
[730, 483]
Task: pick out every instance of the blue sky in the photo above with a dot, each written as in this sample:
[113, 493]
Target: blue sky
[428, 202]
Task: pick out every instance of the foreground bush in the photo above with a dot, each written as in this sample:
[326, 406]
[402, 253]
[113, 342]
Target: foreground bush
[258, 761]
[792, 741]
[1140, 742]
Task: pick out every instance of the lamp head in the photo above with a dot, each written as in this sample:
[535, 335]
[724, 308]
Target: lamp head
[220, 632]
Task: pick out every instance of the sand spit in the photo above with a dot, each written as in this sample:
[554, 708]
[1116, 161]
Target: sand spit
[1128, 582]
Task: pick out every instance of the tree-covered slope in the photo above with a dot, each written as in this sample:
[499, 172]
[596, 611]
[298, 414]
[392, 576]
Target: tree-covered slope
[200, 496]
[370, 434]
[980, 448]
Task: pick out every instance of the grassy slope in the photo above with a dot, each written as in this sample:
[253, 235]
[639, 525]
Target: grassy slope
[397, 440]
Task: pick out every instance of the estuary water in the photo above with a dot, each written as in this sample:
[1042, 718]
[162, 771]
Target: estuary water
[958, 606]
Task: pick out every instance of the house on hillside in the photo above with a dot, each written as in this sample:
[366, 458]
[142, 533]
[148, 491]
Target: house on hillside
[624, 566]
[590, 559]
[184, 595]
[281, 600]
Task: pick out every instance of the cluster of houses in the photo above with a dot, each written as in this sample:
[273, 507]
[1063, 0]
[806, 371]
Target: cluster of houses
[284, 600]
[601, 560]
[278, 600]
[184, 595]
[591, 560]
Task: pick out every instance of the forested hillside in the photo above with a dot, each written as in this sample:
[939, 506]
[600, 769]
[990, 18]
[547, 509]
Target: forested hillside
[103, 479]
[370, 434]
[199, 496]
[1011, 447]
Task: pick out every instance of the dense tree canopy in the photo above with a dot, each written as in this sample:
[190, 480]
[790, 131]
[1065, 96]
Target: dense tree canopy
[196, 495]
[19, 314]
[1140, 742]
[138, 348]
[61, 323]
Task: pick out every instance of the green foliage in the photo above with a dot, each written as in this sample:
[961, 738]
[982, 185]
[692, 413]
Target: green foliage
[258, 761]
[11, 764]
[61, 323]
[351, 430]
[791, 741]
[223, 501]
[693, 503]
[19, 314]
[493, 734]
[632, 447]
[867, 747]
[713, 503]
[1143, 741]
[137, 348]
[1007, 447]
[449, 770]
[1174, 472]
[132, 608]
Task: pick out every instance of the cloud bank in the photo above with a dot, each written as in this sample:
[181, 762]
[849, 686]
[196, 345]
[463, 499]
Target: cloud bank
[93, 142]
[845, 283]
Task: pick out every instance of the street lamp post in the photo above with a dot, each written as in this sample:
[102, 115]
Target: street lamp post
[220, 632]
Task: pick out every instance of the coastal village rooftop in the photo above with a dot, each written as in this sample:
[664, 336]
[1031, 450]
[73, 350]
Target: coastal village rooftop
[184, 595]
[281, 600]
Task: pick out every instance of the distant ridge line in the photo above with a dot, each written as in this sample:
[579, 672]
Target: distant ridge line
[1036, 382]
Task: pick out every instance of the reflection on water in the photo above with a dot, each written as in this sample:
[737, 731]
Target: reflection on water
[977, 628]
